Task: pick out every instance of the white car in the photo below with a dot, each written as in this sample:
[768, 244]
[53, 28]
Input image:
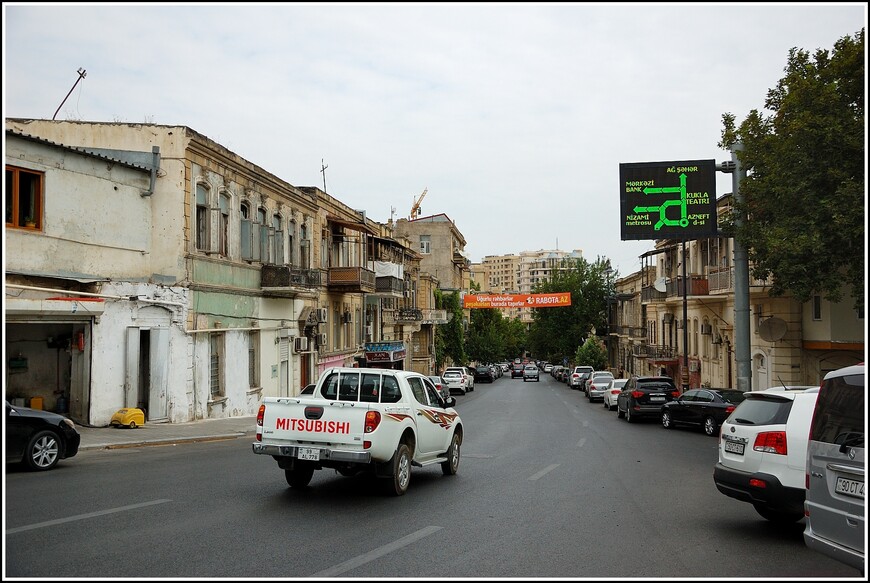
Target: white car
[611, 392]
[763, 452]
[453, 381]
[597, 384]
[467, 376]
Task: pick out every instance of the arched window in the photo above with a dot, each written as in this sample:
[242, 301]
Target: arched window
[277, 236]
[263, 238]
[224, 232]
[291, 242]
[304, 247]
[201, 226]
[245, 232]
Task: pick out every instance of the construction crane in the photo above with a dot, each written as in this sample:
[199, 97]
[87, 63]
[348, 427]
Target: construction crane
[415, 208]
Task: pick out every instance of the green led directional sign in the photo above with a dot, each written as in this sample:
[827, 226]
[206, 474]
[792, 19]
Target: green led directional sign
[668, 200]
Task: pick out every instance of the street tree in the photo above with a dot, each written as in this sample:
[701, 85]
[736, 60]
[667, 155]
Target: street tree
[803, 199]
[556, 333]
[592, 353]
[449, 337]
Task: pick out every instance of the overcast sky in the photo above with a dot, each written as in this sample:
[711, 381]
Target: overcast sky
[515, 116]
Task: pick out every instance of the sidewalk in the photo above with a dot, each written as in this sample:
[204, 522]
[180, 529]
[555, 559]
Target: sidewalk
[165, 433]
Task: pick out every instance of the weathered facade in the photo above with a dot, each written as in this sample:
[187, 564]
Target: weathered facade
[199, 281]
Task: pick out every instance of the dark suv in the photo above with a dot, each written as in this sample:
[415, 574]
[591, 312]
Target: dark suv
[483, 374]
[644, 397]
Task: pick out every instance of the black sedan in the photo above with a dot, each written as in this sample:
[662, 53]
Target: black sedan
[704, 408]
[39, 439]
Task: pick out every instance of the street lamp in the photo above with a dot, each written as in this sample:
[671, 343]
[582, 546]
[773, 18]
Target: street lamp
[610, 299]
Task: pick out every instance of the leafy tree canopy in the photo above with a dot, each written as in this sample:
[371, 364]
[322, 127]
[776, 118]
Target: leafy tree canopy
[592, 353]
[803, 198]
[556, 333]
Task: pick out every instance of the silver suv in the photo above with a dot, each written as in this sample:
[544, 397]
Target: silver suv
[578, 377]
[763, 452]
[835, 469]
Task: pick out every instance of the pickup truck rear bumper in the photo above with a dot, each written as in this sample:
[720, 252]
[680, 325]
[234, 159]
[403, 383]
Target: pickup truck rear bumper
[326, 455]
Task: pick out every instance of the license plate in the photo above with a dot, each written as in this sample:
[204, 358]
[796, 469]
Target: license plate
[734, 447]
[657, 399]
[850, 488]
[309, 453]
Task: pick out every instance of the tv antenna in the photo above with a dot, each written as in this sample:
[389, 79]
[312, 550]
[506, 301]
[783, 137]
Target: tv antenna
[323, 168]
[82, 75]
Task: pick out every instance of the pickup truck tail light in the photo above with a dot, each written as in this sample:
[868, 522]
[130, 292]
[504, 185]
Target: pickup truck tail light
[260, 412]
[373, 419]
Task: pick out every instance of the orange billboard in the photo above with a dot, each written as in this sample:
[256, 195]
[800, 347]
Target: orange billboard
[555, 300]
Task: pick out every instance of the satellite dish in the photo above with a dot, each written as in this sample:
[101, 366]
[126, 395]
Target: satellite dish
[661, 284]
[772, 329]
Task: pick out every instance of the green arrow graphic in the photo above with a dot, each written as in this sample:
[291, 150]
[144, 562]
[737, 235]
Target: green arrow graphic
[662, 208]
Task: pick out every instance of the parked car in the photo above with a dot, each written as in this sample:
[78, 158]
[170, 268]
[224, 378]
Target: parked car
[517, 371]
[440, 385]
[597, 384]
[614, 387]
[39, 439]
[530, 373]
[467, 376]
[548, 367]
[763, 452]
[704, 408]
[834, 505]
[644, 397]
[483, 374]
[454, 381]
[579, 375]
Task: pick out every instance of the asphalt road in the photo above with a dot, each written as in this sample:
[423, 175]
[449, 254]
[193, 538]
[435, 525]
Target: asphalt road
[549, 486]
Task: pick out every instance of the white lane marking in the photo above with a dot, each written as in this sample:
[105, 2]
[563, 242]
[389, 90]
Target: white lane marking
[84, 516]
[544, 471]
[581, 443]
[377, 553]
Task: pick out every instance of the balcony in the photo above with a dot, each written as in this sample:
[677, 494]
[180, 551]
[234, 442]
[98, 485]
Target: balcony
[698, 286]
[350, 279]
[287, 280]
[654, 352]
[390, 286]
[435, 317]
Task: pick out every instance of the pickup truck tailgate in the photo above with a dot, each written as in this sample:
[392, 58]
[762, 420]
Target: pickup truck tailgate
[295, 420]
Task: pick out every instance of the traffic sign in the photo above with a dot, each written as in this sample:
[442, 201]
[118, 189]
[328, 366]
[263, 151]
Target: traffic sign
[668, 200]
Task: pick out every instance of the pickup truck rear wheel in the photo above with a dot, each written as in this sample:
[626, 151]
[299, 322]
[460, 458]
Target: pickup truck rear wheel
[401, 470]
[300, 475]
[451, 466]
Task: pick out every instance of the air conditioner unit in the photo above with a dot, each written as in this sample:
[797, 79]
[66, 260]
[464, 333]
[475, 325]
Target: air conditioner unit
[300, 344]
[668, 318]
[321, 314]
[321, 339]
[706, 329]
[369, 330]
[283, 333]
[407, 293]
[717, 339]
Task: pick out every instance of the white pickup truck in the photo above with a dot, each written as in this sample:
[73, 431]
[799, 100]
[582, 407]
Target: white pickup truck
[361, 419]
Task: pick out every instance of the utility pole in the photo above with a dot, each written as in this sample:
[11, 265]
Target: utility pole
[742, 343]
[82, 74]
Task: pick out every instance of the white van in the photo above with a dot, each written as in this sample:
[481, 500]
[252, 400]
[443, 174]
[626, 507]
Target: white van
[834, 507]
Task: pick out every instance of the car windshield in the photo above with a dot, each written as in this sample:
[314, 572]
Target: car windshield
[731, 396]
